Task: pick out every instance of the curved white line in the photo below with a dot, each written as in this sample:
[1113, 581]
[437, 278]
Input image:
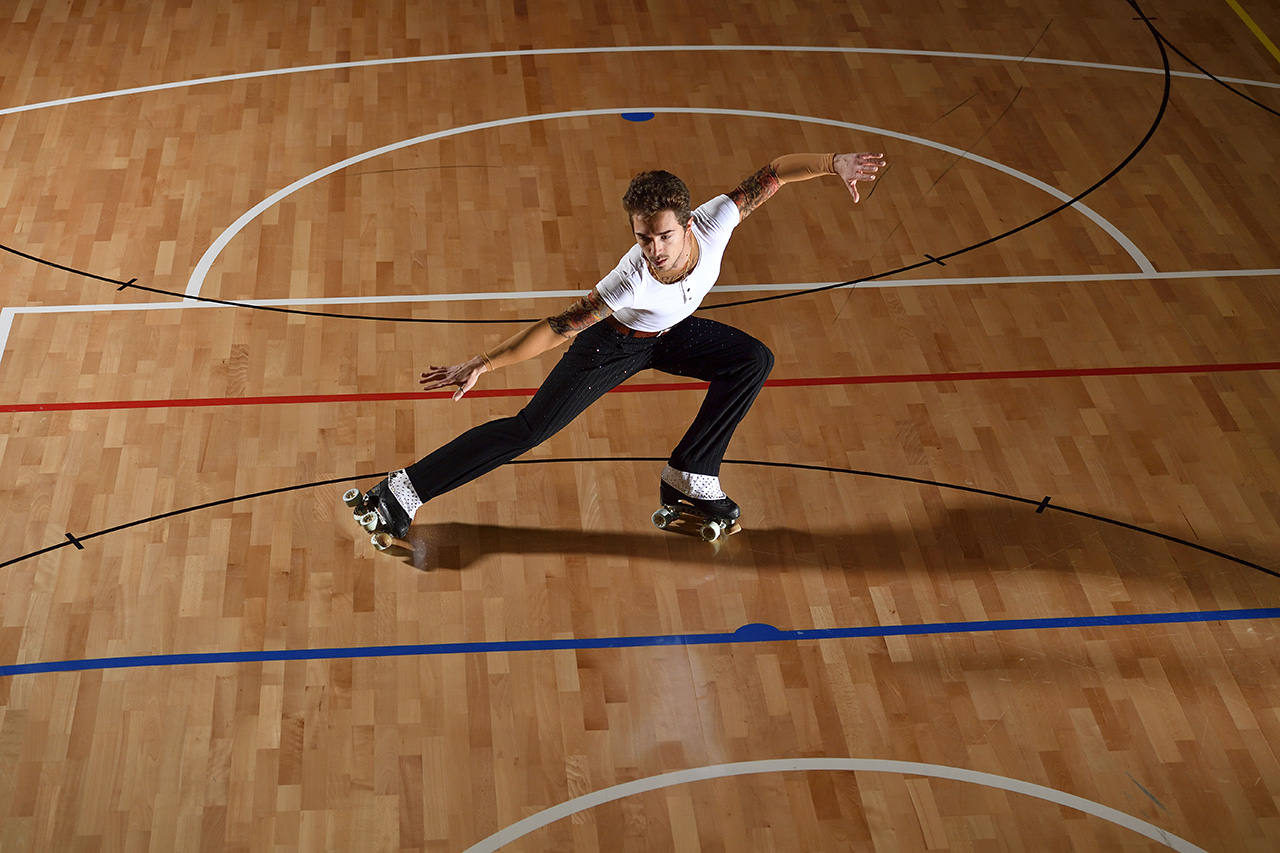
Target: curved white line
[196, 282]
[534, 822]
[694, 48]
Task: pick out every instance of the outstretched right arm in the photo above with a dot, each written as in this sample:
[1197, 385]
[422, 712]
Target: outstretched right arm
[789, 168]
[531, 341]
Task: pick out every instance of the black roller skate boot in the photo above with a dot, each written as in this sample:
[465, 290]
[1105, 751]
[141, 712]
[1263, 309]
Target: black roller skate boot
[380, 512]
[715, 513]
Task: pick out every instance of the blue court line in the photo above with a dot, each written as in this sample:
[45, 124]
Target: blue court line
[754, 633]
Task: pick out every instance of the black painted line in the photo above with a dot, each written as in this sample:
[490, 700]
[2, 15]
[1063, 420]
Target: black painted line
[214, 504]
[71, 270]
[1043, 505]
[1160, 42]
[133, 283]
[329, 314]
[745, 462]
[1223, 83]
[1017, 499]
[1166, 537]
[1146, 139]
[1164, 103]
[185, 511]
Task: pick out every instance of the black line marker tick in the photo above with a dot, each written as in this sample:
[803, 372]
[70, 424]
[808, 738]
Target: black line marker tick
[1043, 505]
[935, 260]
[76, 542]
[126, 284]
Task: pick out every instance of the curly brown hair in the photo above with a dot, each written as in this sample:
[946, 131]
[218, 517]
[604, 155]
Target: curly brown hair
[650, 193]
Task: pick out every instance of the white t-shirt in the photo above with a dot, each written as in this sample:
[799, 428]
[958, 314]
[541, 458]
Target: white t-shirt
[641, 302]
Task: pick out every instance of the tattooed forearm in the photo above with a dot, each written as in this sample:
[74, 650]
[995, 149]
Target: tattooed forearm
[755, 190]
[586, 312]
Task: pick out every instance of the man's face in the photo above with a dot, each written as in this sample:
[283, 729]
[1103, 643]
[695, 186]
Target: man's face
[662, 239]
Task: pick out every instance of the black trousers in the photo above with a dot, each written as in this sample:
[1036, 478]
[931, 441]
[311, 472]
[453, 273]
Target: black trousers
[598, 360]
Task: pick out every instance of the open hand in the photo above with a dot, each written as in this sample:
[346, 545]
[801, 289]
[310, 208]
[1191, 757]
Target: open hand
[853, 168]
[463, 375]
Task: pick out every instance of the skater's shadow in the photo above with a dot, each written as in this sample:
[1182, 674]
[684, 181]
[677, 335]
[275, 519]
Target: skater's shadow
[983, 539]
[457, 546]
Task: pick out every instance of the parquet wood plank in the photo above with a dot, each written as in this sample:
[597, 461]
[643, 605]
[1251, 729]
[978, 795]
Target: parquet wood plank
[880, 506]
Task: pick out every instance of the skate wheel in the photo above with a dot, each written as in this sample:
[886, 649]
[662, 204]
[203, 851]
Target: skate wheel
[353, 498]
[663, 517]
[711, 531]
[369, 521]
[381, 541]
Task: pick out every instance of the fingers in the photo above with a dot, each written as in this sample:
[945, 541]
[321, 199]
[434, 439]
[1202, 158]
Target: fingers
[435, 378]
[865, 167]
[440, 377]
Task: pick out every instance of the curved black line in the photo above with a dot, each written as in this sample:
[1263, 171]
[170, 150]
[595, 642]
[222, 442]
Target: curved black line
[71, 270]
[1160, 42]
[186, 510]
[182, 296]
[1038, 504]
[279, 310]
[1041, 505]
[1223, 83]
[1151, 131]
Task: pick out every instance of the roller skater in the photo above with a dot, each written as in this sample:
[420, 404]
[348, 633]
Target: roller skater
[638, 316]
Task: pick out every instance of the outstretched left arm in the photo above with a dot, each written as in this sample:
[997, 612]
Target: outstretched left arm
[851, 168]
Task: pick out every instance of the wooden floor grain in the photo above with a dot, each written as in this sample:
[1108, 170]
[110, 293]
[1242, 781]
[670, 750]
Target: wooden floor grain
[1077, 420]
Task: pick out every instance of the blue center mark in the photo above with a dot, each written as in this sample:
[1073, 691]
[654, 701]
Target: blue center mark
[758, 632]
[637, 117]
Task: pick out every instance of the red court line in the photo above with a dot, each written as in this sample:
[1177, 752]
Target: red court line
[883, 379]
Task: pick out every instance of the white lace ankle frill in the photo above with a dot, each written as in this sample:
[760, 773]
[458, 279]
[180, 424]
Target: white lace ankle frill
[701, 486]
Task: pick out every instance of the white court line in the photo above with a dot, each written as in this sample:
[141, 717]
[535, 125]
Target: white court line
[582, 51]
[196, 282]
[7, 315]
[535, 822]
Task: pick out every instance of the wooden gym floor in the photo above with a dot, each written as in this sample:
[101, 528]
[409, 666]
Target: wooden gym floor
[1009, 573]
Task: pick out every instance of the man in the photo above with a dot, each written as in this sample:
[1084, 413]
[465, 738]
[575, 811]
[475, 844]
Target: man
[639, 316]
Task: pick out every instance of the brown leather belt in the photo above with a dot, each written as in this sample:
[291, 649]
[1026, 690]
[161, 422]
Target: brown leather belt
[630, 332]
